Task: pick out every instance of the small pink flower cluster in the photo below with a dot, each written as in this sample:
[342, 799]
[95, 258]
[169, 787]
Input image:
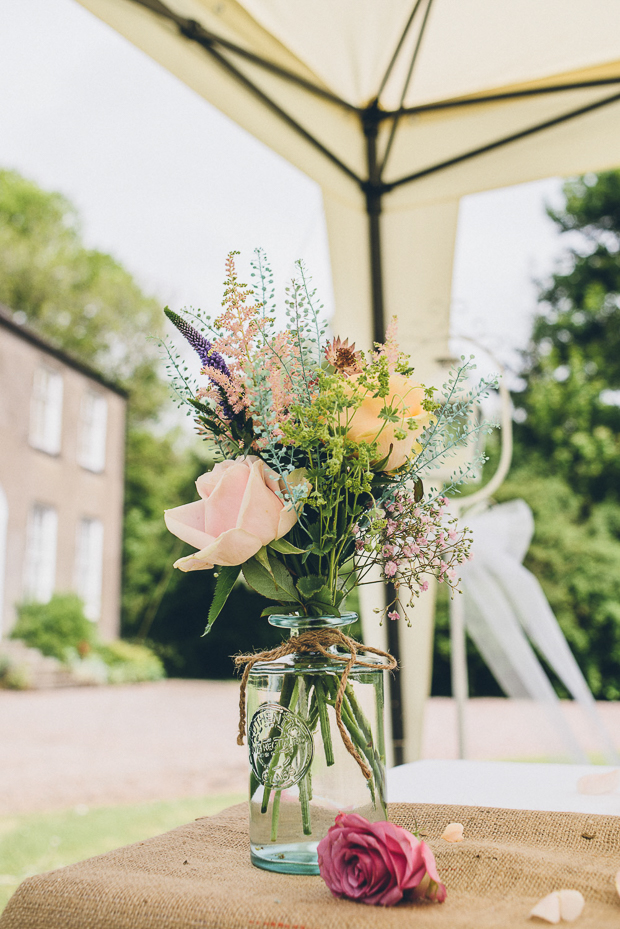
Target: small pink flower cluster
[254, 356]
[410, 539]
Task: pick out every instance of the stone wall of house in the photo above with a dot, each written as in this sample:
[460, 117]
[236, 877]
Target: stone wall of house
[34, 480]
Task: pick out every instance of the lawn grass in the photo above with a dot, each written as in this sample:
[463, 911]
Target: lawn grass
[36, 842]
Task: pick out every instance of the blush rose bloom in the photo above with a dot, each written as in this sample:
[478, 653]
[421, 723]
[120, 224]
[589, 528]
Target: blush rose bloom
[239, 512]
[366, 425]
[377, 863]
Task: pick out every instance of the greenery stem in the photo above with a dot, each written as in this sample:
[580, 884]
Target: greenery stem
[275, 815]
[324, 720]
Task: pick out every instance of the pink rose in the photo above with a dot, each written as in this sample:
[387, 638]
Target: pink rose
[377, 863]
[239, 512]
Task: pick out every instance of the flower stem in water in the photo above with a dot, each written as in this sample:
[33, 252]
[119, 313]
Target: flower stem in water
[324, 720]
[275, 815]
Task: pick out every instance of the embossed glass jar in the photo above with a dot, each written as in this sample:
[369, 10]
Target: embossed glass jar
[301, 772]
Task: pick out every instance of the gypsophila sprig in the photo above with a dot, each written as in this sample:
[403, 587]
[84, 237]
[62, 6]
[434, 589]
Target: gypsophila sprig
[328, 453]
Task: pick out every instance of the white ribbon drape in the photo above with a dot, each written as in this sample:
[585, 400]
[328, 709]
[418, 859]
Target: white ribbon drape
[507, 615]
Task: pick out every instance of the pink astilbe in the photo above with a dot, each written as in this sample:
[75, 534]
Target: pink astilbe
[390, 349]
[266, 368]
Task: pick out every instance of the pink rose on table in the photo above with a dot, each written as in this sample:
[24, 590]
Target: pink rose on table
[239, 512]
[377, 863]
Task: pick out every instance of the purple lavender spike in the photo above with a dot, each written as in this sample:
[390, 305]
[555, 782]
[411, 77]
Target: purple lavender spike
[209, 358]
[206, 353]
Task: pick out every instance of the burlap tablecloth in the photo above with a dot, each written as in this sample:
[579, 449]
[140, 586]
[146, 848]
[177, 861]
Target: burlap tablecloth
[200, 875]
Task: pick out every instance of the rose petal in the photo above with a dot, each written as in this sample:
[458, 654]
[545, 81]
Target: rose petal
[571, 904]
[429, 861]
[225, 501]
[199, 561]
[260, 509]
[230, 548]
[548, 908]
[207, 482]
[187, 522]
[453, 832]
[595, 784]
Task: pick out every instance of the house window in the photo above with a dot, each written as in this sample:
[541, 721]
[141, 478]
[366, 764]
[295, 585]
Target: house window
[92, 439]
[40, 564]
[89, 566]
[46, 411]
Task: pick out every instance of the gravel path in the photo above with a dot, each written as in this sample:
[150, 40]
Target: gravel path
[125, 744]
[121, 744]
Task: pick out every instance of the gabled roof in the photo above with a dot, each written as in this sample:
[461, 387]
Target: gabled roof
[24, 332]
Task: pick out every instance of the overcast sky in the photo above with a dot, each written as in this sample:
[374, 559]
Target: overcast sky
[168, 185]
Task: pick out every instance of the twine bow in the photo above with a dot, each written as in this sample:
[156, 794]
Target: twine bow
[317, 640]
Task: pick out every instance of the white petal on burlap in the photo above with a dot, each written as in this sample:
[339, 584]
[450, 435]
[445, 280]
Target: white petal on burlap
[564, 905]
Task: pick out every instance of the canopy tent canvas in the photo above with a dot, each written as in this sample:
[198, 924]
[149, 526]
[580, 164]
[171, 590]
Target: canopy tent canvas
[398, 109]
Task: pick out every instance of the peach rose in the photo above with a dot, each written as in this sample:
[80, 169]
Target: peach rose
[405, 397]
[239, 512]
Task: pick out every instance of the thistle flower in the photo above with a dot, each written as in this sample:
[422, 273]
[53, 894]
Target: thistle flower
[343, 357]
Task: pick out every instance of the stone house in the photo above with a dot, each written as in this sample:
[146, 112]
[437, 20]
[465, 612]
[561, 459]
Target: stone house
[62, 437]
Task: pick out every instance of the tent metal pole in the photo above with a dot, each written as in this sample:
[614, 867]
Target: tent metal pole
[374, 190]
[196, 32]
[515, 137]
[374, 193]
[506, 95]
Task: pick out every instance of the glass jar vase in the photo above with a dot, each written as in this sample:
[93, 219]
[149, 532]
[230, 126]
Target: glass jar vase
[301, 772]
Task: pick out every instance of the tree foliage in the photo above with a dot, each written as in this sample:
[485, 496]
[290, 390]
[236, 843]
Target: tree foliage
[81, 299]
[572, 367]
[88, 304]
[567, 444]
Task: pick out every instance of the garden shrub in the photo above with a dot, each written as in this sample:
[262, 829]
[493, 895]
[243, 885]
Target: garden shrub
[128, 663]
[56, 628]
[61, 630]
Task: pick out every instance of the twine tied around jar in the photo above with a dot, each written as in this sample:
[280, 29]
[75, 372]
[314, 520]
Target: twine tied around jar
[317, 640]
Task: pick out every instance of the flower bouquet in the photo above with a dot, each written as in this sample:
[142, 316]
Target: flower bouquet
[323, 452]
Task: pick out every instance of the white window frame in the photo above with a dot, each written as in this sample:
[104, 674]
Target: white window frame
[46, 410]
[93, 431]
[40, 558]
[89, 565]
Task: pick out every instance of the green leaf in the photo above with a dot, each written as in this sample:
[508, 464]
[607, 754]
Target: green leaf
[282, 576]
[200, 406]
[322, 607]
[308, 586]
[268, 611]
[273, 586]
[226, 577]
[418, 490]
[286, 548]
[326, 544]
[261, 556]
[314, 531]
[380, 465]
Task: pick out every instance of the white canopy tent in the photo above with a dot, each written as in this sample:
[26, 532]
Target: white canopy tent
[398, 108]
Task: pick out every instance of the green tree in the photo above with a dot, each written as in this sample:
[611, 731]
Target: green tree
[89, 305]
[567, 446]
[81, 299]
[572, 367]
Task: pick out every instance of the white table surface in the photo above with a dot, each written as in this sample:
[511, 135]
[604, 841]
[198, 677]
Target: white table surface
[504, 784]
